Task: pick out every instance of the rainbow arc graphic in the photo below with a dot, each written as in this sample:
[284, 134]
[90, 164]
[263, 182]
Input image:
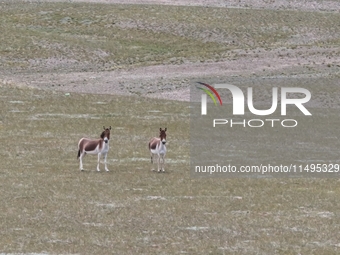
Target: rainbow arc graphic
[210, 91]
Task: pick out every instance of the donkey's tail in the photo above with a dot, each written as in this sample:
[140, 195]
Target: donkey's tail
[78, 154]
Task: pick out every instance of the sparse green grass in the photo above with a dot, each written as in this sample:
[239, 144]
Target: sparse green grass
[105, 37]
[48, 205]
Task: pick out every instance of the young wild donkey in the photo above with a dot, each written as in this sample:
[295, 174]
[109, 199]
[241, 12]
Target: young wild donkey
[157, 147]
[97, 146]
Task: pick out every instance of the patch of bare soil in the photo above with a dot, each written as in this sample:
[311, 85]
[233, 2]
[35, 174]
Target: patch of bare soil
[305, 5]
[173, 81]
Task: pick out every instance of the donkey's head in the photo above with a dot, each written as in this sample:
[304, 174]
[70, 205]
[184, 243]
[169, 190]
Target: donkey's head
[106, 134]
[162, 135]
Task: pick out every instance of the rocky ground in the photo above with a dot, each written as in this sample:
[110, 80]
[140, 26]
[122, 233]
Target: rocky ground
[306, 5]
[172, 81]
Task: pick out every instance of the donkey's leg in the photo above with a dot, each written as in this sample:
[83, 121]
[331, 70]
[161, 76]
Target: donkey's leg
[99, 154]
[105, 162]
[81, 161]
[163, 162]
[159, 161]
[152, 165]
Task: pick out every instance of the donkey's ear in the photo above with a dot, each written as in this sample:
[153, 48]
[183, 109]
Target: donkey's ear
[104, 127]
[165, 129]
[160, 129]
[110, 128]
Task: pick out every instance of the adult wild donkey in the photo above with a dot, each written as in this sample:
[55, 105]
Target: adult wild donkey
[157, 147]
[97, 146]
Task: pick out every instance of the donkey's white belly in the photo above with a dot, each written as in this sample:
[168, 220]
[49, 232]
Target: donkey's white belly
[159, 150]
[104, 150]
[96, 151]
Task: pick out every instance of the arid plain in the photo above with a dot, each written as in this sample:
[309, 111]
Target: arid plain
[67, 68]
